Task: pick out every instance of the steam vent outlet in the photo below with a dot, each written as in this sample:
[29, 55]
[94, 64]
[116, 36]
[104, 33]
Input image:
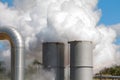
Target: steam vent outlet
[17, 51]
[81, 60]
[53, 58]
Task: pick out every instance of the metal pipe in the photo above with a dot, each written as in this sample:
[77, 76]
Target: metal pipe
[53, 58]
[17, 51]
[106, 77]
[81, 60]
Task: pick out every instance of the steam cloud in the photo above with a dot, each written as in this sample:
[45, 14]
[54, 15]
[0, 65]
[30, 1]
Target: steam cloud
[61, 20]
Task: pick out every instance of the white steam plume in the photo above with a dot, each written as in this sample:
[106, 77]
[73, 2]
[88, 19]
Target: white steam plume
[116, 28]
[61, 20]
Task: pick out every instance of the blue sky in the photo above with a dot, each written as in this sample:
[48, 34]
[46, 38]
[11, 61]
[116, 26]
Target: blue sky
[2, 45]
[10, 2]
[110, 11]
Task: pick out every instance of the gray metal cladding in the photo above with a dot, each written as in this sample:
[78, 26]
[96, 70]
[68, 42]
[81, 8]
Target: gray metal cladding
[53, 58]
[81, 60]
[53, 54]
[81, 73]
[17, 51]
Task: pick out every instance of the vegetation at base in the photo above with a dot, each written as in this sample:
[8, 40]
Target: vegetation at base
[114, 71]
[33, 66]
[36, 62]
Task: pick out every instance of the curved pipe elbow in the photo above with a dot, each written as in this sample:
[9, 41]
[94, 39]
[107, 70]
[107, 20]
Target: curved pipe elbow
[12, 35]
[17, 51]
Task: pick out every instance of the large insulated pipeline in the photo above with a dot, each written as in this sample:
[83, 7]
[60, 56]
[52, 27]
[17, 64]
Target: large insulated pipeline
[53, 58]
[81, 60]
[17, 51]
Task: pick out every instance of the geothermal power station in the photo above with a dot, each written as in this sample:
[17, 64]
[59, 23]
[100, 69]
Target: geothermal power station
[53, 57]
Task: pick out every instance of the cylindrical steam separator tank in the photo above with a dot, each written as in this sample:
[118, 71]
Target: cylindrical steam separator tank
[81, 63]
[53, 58]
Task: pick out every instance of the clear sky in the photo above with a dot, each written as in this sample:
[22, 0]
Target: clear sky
[110, 11]
[10, 2]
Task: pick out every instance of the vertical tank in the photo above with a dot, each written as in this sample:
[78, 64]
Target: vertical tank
[81, 60]
[53, 58]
